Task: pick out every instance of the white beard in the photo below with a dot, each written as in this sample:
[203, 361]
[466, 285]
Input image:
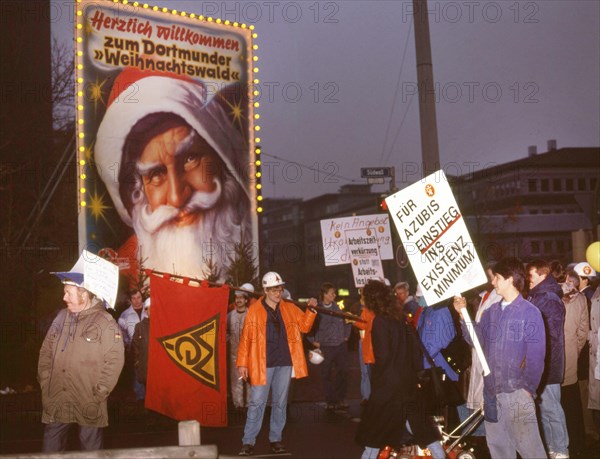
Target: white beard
[186, 250]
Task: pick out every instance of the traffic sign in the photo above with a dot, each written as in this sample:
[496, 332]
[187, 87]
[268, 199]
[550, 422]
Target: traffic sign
[376, 172]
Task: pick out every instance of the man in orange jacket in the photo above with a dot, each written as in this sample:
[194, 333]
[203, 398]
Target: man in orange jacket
[269, 355]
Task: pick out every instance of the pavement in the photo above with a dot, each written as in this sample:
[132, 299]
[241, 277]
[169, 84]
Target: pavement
[311, 430]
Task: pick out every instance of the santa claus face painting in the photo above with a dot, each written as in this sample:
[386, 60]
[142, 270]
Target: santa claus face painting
[183, 205]
[174, 166]
[181, 181]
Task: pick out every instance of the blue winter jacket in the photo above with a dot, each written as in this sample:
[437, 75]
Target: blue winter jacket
[436, 330]
[514, 344]
[546, 296]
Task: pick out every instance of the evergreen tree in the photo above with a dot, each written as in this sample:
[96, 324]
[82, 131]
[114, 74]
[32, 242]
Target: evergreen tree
[242, 265]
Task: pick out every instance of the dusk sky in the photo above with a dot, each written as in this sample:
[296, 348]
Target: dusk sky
[338, 78]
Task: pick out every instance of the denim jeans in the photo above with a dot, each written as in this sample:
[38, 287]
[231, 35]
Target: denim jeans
[552, 418]
[278, 381]
[335, 389]
[139, 389]
[365, 375]
[517, 428]
[463, 414]
[56, 435]
[370, 453]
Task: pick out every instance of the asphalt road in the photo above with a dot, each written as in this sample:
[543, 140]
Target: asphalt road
[311, 430]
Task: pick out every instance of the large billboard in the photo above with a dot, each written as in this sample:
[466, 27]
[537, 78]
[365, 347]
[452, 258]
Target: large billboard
[166, 138]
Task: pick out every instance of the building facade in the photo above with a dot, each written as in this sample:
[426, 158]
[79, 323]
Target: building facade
[528, 208]
[291, 242]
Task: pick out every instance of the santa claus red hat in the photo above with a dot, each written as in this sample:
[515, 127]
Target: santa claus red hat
[138, 93]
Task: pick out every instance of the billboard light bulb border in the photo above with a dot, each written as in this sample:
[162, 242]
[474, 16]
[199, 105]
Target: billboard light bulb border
[80, 80]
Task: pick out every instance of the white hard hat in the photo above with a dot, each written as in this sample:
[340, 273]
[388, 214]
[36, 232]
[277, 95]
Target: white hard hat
[286, 295]
[272, 279]
[315, 356]
[247, 286]
[584, 269]
[245, 289]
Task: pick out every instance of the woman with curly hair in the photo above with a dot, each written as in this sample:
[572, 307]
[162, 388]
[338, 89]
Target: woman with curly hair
[394, 411]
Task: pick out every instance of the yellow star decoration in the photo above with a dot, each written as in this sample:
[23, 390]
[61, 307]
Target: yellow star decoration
[97, 207]
[88, 153]
[236, 112]
[95, 92]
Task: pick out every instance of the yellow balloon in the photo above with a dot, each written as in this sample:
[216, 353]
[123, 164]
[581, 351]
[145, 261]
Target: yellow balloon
[592, 255]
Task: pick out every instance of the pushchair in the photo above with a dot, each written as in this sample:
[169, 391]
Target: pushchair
[454, 443]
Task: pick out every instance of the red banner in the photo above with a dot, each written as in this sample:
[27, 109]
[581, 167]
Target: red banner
[187, 377]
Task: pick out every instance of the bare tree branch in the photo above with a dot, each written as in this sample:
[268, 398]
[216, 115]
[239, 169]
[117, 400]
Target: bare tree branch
[62, 85]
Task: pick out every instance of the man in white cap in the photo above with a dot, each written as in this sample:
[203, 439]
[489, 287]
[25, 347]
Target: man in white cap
[79, 365]
[240, 392]
[176, 169]
[270, 353]
[587, 361]
[586, 273]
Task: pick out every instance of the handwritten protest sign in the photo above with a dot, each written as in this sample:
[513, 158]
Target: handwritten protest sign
[96, 275]
[435, 238]
[333, 232]
[101, 277]
[364, 255]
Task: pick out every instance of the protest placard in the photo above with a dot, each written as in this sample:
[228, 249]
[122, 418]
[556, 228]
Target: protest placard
[335, 248]
[436, 239]
[101, 277]
[364, 255]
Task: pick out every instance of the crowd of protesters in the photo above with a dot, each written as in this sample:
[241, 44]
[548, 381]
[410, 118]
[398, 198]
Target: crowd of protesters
[538, 325]
[533, 339]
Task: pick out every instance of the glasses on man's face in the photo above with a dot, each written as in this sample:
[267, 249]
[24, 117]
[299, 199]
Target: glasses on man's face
[278, 289]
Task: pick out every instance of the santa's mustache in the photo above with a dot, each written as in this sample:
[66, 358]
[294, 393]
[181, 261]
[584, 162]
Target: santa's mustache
[153, 220]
